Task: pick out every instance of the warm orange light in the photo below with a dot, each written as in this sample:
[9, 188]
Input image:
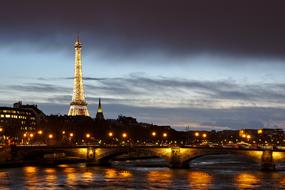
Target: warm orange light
[124, 135]
[87, 135]
[1, 129]
[40, 132]
[31, 135]
[243, 135]
[259, 131]
[164, 135]
[50, 136]
[71, 134]
[248, 136]
[204, 135]
[110, 134]
[153, 134]
[197, 134]
[63, 132]
[25, 135]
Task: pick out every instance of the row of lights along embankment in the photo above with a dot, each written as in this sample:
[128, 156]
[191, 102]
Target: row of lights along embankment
[88, 135]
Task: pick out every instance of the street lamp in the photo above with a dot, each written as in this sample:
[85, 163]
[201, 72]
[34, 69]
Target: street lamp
[204, 135]
[63, 132]
[31, 135]
[25, 135]
[164, 135]
[124, 135]
[110, 134]
[71, 134]
[248, 137]
[1, 129]
[50, 136]
[88, 135]
[40, 132]
[197, 134]
[153, 134]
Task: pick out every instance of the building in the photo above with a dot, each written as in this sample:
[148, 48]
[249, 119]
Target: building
[16, 120]
[78, 106]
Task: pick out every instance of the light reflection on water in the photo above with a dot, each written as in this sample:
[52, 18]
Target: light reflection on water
[200, 180]
[81, 177]
[247, 180]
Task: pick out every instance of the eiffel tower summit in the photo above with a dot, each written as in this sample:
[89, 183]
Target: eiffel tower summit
[78, 106]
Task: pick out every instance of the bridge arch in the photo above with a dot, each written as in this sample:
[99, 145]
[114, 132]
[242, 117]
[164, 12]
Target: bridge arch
[255, 156]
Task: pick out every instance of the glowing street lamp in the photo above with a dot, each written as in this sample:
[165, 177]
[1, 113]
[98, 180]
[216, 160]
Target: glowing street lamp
[124, 135]
[164, 135]
[1, 129]
[25, 135]
[88, 135]
[153, 134]
[50, 136]
[110, 134]
[63, 132]
[31, 135]
[40, 132]
[71, 134]
[248, 137]
[259, 131]
[204, 135]
[197, 134]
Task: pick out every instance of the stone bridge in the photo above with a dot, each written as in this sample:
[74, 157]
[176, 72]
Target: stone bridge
[177, 157]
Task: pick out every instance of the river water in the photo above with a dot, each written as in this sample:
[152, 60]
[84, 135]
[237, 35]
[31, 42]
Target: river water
[203, 174]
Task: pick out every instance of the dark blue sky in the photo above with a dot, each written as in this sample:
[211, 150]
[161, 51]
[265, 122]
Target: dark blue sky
[207, 64]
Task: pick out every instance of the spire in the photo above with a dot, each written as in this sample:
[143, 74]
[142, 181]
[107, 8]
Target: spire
[77, 43]
[78, 106]
[100, 110]
[99, 115]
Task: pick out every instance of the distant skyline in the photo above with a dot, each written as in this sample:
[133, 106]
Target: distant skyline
[207, 64]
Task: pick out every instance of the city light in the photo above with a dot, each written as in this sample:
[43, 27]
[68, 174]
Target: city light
[63, 132]
[1, 129]
[110, 134]
[50, 136]
[88, 135]
[197, 134]
[31, 135]
[153, 134]
[259, 131]
[40, 132]
[204, 135]
[124, 135]
[164, 135]
[248, 136]
[71, 134]
[25, 135]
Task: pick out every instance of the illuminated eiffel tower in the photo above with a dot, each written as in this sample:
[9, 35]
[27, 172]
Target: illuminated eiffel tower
[78, 106]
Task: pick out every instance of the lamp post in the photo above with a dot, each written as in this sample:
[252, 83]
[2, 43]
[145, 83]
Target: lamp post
[70, 137]
[196, 134]
[153, 134]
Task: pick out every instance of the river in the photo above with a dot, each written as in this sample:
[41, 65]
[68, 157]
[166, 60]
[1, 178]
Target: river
[219, 173]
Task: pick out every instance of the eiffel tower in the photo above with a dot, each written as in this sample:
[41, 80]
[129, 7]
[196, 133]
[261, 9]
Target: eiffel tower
[78, 106]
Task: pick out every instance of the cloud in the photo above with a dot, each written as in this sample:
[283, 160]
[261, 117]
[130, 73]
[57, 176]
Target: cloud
[39, 88]
[164, 92]
[169, 101]
[123, 28]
